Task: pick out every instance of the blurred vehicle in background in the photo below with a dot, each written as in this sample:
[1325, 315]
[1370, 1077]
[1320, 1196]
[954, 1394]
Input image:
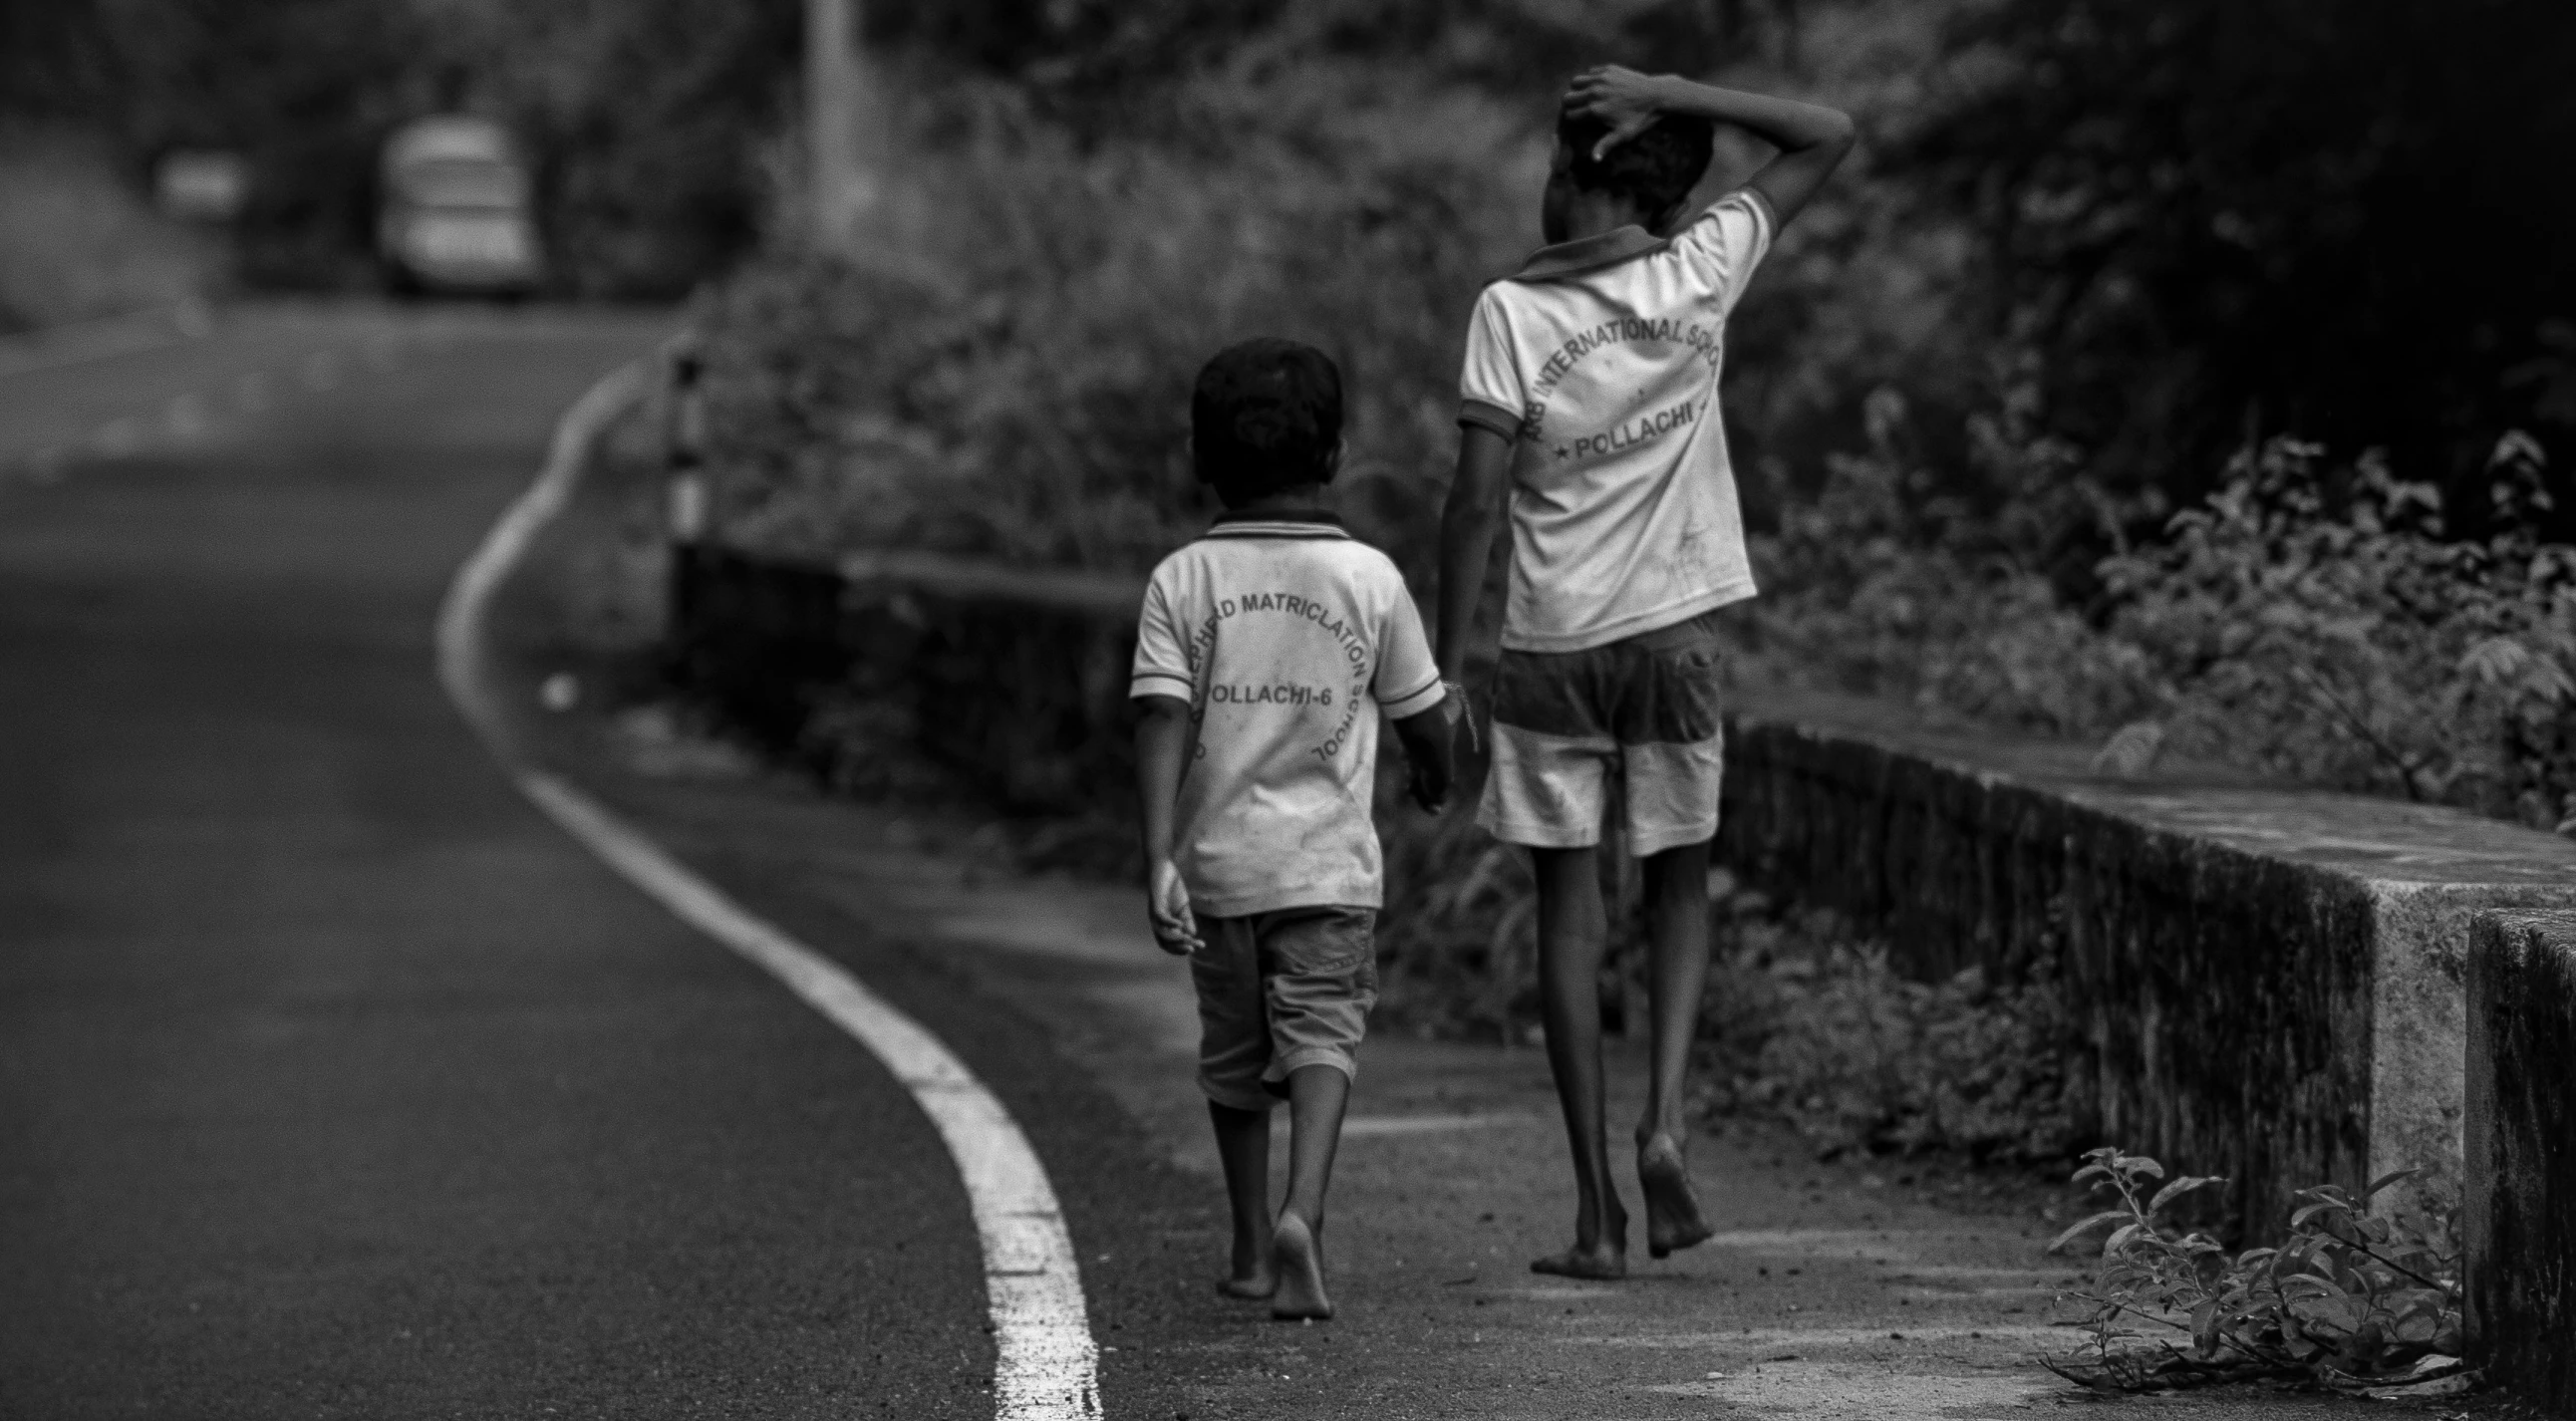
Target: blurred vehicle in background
[456, 214]
[201, 185]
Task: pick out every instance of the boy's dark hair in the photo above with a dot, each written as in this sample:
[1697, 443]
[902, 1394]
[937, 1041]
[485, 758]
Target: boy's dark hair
[1265, 415]
[1655, 169]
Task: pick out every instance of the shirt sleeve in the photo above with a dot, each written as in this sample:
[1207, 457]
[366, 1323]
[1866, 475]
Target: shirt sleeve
[1162, 653]
[1727, 241]
[1489, 388]
[1408, 680]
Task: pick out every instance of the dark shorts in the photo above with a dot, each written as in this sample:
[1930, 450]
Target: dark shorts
[1646, 709]
[1279, 991]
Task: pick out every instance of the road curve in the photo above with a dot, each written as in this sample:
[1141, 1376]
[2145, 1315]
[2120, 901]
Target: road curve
[334, 1081]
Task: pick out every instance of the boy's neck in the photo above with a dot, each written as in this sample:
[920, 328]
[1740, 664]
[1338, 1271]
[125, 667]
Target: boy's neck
[1303, 498]
[1592, 214]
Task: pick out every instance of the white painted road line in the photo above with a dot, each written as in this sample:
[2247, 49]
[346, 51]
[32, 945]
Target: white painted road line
[1032, 1282]
[1047, 1366]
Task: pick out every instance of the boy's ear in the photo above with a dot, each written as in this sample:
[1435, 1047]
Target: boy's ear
[1333, 461]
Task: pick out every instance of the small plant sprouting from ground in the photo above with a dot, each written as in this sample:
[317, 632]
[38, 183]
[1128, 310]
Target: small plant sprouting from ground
[2349, 1301]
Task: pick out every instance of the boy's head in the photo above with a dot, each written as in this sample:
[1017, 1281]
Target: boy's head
[1652, 174]
[1266, 416]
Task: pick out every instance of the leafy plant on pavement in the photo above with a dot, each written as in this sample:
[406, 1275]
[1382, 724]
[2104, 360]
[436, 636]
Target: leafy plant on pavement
[2349, 1300]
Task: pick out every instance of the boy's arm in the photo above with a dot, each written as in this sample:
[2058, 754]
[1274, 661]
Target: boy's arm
[1428, 739]
[1468, 523]
[1812, 139]
[1162, 739]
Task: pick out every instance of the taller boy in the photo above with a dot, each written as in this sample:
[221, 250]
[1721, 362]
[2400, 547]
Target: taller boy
[1590, 394]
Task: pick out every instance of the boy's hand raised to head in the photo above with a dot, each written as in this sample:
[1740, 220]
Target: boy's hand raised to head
[1812, 139]
[1622, 98]
[1167, 901]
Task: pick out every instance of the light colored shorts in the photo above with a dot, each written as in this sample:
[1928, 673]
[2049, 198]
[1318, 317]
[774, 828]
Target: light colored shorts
[1279, 991]
[1644, 709]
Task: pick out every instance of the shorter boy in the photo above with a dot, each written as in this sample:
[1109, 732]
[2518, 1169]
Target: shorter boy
[1259, 650]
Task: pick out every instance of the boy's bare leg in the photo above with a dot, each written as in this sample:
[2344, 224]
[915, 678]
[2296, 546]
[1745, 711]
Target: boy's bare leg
[1243, 1146]
[1571, 934]
[1317, 1096]
[1676, 889]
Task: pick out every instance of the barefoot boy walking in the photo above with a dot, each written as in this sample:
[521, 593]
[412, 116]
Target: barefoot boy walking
[1590, 396]
[1260, 651]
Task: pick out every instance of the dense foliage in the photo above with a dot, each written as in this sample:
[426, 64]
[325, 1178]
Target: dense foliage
[1024, 394]
[2213, 222]
[2311, 621]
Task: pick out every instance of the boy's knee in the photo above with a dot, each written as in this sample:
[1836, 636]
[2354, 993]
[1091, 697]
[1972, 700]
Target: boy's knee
[1681, 863]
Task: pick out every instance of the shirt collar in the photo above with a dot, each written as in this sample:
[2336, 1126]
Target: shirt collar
[1324, 516]
[1277, 522]
[1586, 253]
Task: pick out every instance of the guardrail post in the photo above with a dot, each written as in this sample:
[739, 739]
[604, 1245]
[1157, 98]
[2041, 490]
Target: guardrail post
[688, 513]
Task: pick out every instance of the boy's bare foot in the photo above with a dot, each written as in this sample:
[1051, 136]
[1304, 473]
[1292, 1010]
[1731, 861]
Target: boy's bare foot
[1605, 1259]
[1298, 1261]
[1673, 1220]
[1260, 1285]
[1605, 1263]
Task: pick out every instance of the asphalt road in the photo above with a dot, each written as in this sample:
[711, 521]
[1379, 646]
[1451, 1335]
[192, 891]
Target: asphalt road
[333, 1080]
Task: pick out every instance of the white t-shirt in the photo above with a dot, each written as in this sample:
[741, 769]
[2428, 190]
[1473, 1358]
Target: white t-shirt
[1600, 360]
[1280, 632]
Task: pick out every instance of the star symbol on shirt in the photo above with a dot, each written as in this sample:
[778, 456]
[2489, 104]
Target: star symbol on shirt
[1561, 451]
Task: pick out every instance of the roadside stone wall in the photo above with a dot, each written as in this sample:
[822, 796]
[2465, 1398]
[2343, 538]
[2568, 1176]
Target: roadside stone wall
[2271, 983]
[2520, 1219]
[1017, 683]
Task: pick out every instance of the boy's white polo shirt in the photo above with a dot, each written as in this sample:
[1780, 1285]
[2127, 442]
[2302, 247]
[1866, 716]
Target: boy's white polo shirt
[1285, 635]
[1600, 359]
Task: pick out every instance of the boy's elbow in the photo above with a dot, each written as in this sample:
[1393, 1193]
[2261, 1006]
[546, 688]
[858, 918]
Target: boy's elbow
[1159, 713]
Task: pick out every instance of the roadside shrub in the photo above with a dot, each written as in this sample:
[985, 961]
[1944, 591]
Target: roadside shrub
[2318, 623]
[1803, 1023]
[2323, 626]
[1892, 581]
[1808, 1025]
[1458, 942]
